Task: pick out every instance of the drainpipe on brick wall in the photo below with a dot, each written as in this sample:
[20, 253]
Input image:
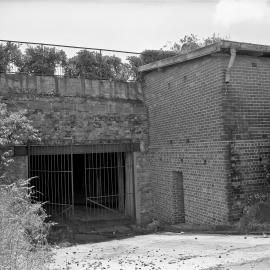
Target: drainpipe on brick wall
[231, 62]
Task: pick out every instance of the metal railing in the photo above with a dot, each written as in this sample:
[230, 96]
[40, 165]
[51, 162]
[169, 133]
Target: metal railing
[64, 60]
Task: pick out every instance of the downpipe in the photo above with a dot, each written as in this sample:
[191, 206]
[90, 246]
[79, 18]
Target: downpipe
[229, 67]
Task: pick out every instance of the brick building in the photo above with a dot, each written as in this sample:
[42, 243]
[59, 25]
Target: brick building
[209, 128]
[191, 144]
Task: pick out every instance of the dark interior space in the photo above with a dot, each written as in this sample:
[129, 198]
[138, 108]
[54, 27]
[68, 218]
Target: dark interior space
[79, 179]
[97, 177]
[52, 181]
[105, 178]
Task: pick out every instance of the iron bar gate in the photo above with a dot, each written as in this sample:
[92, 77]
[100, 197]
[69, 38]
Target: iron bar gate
[93, 181]
[51, 170]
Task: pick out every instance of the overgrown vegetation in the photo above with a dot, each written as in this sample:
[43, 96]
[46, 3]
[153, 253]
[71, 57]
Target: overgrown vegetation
[23, 229]
[43, 60]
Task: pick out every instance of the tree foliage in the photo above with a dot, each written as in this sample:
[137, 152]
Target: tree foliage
[93, 65]
[10, 55]
[42, 60]
[191, 42]
[15, 128]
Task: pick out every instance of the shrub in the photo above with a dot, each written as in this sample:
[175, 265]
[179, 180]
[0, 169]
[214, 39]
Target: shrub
[23, 230]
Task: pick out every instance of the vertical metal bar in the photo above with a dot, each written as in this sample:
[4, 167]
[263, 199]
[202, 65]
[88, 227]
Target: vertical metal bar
[102, 180]
[68, 182]
[50, 182]
[33, 167]
[113, 176]
[59, 199]
[133, 183]
[64, 179]
[116, 175]
[107, 176]
[96, 184]
[72, 184]
[85, 181]
[53, 181]
[120, 186]
[43, 166]
[37, 181]
[29, 161]
[92, 171]
[90, 180]
[56, 179]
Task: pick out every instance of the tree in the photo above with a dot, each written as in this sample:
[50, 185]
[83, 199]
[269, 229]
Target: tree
[93, 65]
[146, 57]
[192, 42]
[42, 60]
[10, 55]
[15, 128]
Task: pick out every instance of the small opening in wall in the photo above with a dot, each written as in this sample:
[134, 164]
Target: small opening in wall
[177, 197]
[204, 162]
[187, 141]
[185, 78]
[260, 159]
[254, 64]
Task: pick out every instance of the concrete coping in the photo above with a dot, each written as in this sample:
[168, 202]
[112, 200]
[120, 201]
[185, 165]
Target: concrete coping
[65, 86]
[222, 46]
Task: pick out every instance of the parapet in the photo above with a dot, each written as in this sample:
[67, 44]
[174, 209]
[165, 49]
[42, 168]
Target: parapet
[68, 87]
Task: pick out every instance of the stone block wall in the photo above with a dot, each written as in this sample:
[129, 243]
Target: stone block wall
[83, 109]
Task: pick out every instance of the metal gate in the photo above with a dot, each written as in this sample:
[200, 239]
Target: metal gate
[93, 182]
[109, 185]
[51, 169]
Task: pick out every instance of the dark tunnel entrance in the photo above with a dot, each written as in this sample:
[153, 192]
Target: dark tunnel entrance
[84, 186]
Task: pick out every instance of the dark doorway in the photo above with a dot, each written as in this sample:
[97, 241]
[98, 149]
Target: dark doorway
[178, 197]
[93, 185]
[52, 181]
[105, 181]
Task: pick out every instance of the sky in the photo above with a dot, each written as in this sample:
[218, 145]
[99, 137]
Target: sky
[132, 25]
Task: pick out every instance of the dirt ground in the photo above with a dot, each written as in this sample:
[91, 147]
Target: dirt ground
[169, 251]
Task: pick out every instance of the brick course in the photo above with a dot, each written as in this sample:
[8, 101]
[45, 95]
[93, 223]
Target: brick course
[247, 124]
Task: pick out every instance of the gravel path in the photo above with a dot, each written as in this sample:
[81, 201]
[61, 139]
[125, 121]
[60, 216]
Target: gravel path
[169, 251]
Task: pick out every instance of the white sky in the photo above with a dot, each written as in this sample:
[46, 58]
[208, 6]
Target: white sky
[132, 25]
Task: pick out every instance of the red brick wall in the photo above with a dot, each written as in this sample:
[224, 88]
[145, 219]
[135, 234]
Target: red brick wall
[186, 129]
[218, 136]
[247, 124]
